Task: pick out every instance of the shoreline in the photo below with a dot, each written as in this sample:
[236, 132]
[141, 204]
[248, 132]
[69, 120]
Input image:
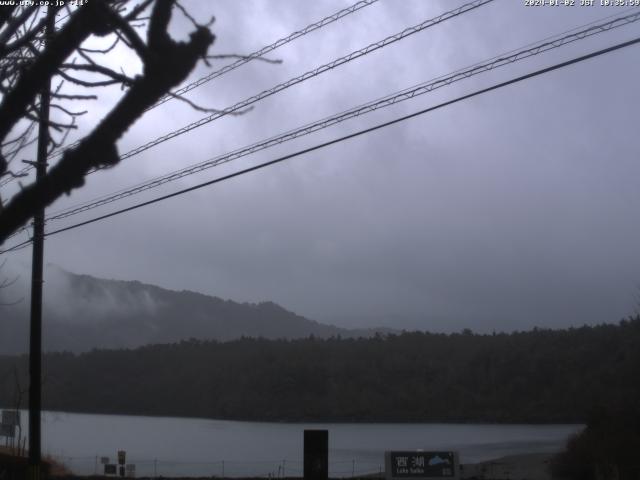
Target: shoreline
[527, 466]
[296, 421]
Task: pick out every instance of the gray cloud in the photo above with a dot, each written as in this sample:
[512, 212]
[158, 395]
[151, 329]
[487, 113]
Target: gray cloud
[515, 209]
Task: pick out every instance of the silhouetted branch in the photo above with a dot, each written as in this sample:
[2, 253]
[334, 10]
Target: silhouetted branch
[243, 57]
[166, 63]
[195, 106]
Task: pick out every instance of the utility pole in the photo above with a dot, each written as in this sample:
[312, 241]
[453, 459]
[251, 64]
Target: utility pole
[35, 338]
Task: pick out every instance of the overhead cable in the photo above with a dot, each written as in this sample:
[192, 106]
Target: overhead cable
[247, 102]
[342, 139]
[294, 81]
[232, 66]
[269, 48]
[421, 89]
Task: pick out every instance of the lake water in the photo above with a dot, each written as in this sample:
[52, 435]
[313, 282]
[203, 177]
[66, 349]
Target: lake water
[201, 447]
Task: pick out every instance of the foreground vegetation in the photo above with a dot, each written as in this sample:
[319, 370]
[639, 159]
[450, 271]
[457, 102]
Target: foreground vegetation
[606, 449]
[536, 376]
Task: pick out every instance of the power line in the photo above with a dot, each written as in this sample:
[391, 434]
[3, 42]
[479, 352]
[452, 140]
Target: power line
[293, 81]
[311, 74]
[20, 173]
[232, 66]
[269, 48]
[548, 43]
[343, 138]
[243, 104]
[421, 89]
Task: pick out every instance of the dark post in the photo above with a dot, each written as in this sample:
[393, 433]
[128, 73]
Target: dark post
[316, 454]
[35, 339]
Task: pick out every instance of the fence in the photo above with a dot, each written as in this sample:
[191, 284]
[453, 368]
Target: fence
[221, 468]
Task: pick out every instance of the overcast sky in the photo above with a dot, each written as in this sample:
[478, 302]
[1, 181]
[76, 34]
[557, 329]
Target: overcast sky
[515, 209]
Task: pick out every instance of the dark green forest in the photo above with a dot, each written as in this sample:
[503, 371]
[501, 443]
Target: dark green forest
[535, 376]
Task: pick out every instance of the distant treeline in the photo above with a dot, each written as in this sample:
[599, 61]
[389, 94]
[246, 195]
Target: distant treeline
[535, 376]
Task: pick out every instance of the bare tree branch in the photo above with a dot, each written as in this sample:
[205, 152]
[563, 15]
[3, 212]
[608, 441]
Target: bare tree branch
[74, 97]
[14, 24]
[86, 83]
[85, 21]
[103, 51]
[133, 15]
[243, 57]
[5, 282]
[69, 112]
[195, 106]
[5, 13]
[166, 63]
[115, 76]
[28, 37]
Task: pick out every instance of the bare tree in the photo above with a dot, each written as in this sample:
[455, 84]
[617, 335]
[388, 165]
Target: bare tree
[14, 394]
[6, 282]
[31, 56]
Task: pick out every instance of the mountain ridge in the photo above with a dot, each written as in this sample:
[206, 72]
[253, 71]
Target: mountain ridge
[83, 312]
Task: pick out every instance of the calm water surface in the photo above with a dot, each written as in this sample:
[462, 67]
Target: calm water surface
[194, 447]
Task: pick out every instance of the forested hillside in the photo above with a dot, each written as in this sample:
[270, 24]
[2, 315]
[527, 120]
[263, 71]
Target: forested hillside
[536, 376]
[82, 312]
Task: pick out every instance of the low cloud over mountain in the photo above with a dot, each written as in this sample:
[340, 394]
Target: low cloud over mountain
[82, 312]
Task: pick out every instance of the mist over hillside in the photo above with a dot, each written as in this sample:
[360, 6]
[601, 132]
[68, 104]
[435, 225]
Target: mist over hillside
[82, 312]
